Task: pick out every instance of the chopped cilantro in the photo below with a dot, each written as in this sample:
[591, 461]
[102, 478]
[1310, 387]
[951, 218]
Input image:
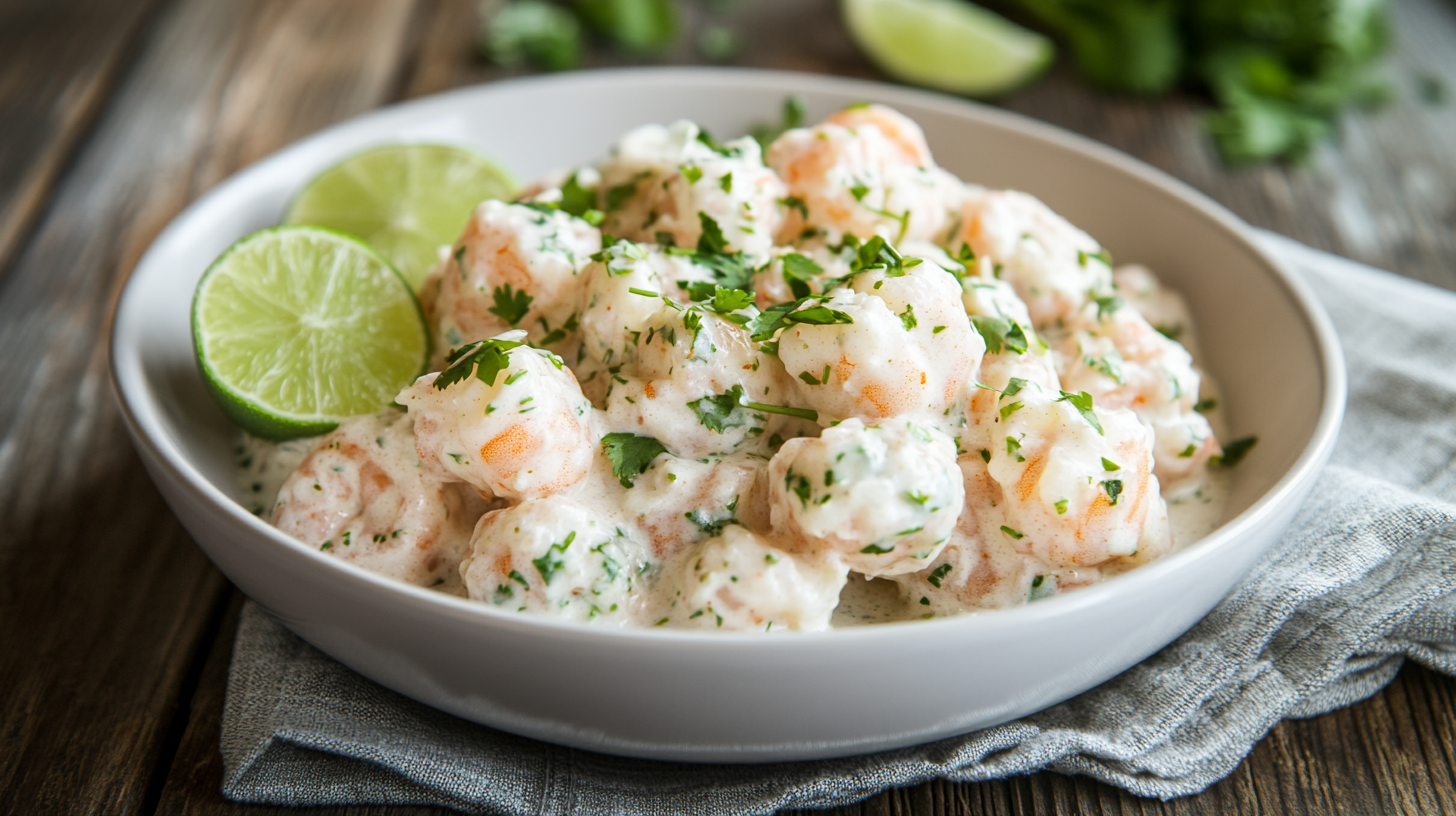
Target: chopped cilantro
[1083, 403]
[720, 412]
[799, 271]
[1000, 333]
[1109, 465]
[907, 317]
[630, 454]
[485, 358]
[1061, 506]
[875, 549]
[938, 574]
[1234, 452]
[1013, 533]
[1114, 489]
[510, 306]
[691, 173]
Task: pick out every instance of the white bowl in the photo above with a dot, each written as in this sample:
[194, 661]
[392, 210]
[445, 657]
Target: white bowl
[747, 697]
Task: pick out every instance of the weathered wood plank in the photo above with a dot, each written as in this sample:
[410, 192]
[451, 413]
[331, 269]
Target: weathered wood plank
[106, 603]
[59, 61]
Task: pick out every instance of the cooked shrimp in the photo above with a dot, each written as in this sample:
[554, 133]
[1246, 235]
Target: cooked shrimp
[1055, 267]
[671, 181]
[891, 346]
[509, 420]
[741, 581]
[514, 267]
[360, 496]
[555, 557]
[677, 502]
[863, 172]
[885, 498]
[689, 381]
[1110, 351]
[1076, 479]
[623, 291]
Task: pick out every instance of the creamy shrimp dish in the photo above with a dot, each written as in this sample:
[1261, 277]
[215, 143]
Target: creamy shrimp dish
[716, 386]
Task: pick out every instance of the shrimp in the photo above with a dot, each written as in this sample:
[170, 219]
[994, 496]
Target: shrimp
[677, 502]
[885, 498]
[507, 419]
[890, 346]
[555, 557]
[360, 497]
[1076, 480]
[513, 267]
[625, 288]
[741, 581]
[865, 171]
[1055, 267]
[980, 567]
[1110, 351]
[691, 383]
[672, 181]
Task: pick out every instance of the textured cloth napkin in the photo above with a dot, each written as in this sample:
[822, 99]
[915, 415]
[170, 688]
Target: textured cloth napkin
[1362, 580]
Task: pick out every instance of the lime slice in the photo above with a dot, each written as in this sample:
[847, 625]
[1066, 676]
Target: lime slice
[297, 328]
[406, 200]
[948, 45]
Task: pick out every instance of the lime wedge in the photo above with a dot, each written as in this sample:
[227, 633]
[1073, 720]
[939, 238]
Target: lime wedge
[297, 328]
[406, 200]
[948, 45]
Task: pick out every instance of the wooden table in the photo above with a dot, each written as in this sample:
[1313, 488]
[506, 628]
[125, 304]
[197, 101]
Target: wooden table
[115, 631]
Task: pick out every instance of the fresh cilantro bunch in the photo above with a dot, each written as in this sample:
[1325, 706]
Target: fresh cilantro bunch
[550, 35]
[1281, 71]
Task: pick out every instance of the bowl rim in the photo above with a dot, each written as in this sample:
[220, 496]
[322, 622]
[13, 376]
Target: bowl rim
[150, 433]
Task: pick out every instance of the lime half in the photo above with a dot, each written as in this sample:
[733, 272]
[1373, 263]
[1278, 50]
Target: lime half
[297, 328]
[949, 45]
[405, 200]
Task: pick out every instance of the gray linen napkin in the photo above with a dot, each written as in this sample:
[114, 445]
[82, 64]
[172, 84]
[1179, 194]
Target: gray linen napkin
[1363, 580]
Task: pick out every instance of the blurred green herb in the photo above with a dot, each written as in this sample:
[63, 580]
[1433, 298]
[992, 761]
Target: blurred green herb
[631, 26]
[1280, 71]
[535, 31]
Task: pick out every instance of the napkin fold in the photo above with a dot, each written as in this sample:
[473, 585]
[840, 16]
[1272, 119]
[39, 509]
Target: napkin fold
[1362, 581]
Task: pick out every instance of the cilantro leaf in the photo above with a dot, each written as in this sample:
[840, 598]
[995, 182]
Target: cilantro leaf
[731, 300]
[938, 574]
[510, 306]
[1234, 452]
[1083, 403]
[818, 316]
[712, 241]
[720, 412]
[770, 320]
[485, 358]
[630, 454]
[1000, 333]
[799, 272]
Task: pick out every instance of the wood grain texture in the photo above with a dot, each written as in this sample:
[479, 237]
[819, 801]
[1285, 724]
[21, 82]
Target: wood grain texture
[59, 61]
[117, 632]
[107, 605]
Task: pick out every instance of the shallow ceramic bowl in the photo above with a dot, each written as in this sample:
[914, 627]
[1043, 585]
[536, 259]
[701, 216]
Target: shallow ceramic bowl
[747, 697]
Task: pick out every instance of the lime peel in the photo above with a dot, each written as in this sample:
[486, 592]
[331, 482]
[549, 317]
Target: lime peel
[406, 200]
[297, 328]
[948, 45]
